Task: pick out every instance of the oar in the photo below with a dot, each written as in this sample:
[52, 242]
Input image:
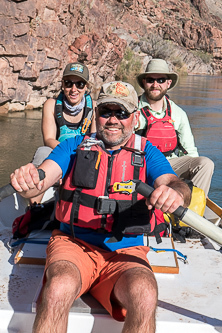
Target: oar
[8, 189]
[214, 207]
[186, 215]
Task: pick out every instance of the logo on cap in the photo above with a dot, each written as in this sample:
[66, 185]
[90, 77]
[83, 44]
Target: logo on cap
[118, 89]
[77, 68]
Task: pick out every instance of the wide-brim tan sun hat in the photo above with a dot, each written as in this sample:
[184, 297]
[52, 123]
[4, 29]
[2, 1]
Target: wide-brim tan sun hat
[158, 66]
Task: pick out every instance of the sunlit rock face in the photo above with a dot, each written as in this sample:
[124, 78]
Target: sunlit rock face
[38, 38]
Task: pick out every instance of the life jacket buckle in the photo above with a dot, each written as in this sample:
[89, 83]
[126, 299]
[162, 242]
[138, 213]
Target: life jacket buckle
[105, 205]
[137, 160]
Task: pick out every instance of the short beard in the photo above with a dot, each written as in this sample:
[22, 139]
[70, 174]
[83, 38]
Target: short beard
[109, 143]
[108, 139]
[150, 96]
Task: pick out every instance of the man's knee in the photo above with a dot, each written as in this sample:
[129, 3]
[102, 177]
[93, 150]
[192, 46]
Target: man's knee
[146, 288]
[206, 163]
[143, 296]
[61, 278]
[142, 291]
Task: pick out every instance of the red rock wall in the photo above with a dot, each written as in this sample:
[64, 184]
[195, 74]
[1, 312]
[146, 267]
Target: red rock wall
[39, 37]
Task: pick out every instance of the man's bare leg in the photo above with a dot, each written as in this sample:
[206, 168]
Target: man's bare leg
[61, 289]
[136, 290]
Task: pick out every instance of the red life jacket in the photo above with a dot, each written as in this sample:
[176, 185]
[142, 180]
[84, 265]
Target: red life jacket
[161, 132]
[87, 199]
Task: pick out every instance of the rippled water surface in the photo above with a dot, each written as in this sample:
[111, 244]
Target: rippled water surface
[20, 135]
[199, 96]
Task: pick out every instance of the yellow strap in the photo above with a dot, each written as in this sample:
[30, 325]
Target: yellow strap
[98, 160]
[85, 125]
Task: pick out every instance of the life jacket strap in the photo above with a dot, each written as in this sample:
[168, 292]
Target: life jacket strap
[75, 210]
[87, 121]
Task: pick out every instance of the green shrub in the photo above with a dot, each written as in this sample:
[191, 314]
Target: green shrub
[204, 56]
[129, 67]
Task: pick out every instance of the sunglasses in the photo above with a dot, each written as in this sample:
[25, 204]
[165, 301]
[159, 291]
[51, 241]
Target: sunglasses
[119, 114]
[152, 80]
[78, 84]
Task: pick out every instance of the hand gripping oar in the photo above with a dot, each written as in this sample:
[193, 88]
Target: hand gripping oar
[186, 215]
[8, 189]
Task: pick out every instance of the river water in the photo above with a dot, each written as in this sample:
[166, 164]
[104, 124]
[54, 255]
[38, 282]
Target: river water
[199, 96]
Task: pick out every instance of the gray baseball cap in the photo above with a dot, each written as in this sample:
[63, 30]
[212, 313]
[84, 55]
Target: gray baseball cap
[78, 69]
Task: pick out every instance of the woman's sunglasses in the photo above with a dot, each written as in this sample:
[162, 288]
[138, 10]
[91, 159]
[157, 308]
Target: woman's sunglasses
[119, 114]
[78, 84]
[152, 80]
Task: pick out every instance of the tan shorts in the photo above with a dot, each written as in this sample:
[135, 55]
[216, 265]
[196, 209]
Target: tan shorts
[99, 269]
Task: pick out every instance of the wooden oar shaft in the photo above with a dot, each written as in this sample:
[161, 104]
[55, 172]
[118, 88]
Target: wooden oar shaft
[214, 207]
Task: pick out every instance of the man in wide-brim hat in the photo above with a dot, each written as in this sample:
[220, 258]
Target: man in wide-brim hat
[167, 126]
[159, 66]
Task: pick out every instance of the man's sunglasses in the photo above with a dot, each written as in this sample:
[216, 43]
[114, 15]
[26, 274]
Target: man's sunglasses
[78, 84]
[119, 114]
[152, 80]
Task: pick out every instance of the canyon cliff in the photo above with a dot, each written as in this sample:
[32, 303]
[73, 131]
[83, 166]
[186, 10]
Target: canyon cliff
[39, 37]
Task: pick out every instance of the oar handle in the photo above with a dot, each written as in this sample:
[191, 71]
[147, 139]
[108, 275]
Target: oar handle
[8, 189]
[146, 190]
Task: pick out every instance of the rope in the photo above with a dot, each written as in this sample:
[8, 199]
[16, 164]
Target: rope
[170, 250]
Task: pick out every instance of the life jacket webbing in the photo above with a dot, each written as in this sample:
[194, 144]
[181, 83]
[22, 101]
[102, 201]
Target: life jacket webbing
[137, 142]
[74, 210]
[168, 110]
[136, 172]
[147, 114]
[137, 161]
[87, 122]
[159, 228]
[87, 113]
[67, 195]
[184, 151]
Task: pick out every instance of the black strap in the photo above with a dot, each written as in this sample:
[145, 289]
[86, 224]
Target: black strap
[85, 199]
[158, 228]
[147, 113]
[178, 139]
[168, 108]
[185, 152]
[58, 111]
[75, 210]
[137, 161]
